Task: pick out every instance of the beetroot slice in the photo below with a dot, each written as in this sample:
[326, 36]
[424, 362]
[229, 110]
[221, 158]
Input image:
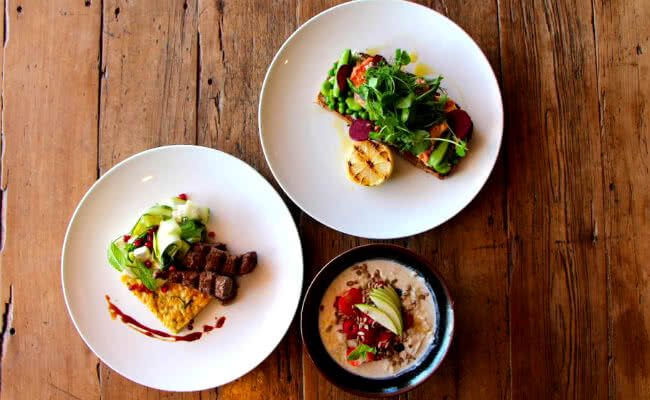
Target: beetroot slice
[360, 129]
[342, 76]
[460, 123]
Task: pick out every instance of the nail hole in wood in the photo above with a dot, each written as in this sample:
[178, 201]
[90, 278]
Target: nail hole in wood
[184, 6]
[210, 81]
[19, 9]
[117, 12]
[612, 186]
[12, 331]
[87, 3]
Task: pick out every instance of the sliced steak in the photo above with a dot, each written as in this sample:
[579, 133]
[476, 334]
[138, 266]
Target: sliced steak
[175, 277]
[231, 265]
[190, 278]
[206, 282]
[224, 287]
[195, 257]
[215, 260]
[248, 262]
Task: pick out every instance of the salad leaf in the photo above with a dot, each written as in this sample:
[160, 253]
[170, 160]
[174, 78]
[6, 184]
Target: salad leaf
[192, 231]
[361, 351]
[403, 105]
[144, 274]
[174, 250]
[402, 57]
[117, 256]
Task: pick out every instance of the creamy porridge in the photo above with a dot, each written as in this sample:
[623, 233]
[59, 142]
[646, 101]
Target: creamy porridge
[396, 337]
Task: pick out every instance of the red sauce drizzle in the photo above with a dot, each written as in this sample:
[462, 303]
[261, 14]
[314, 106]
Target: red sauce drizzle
[154, 333]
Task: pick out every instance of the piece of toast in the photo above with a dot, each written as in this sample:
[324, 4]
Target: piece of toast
[320, 99]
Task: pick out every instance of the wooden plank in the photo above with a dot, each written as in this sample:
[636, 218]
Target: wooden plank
[555, 201]
[237, 42]
[623, 64]
[148, 85]
[471, 254]
[49, 156]
[148, 98]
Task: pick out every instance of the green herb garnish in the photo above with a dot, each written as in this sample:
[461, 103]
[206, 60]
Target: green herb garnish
[361, 352]
[404, 106]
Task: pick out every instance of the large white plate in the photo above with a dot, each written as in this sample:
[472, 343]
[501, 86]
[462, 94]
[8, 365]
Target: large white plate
[304, 144]
[247, 214]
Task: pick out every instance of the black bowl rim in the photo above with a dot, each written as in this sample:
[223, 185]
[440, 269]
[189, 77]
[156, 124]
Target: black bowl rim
[422, 265]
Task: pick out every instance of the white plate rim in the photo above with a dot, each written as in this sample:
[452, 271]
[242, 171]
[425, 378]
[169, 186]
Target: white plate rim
[111, 171]
[283, 185]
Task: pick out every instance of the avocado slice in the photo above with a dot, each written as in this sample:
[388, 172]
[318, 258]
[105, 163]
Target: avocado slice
[381, 317]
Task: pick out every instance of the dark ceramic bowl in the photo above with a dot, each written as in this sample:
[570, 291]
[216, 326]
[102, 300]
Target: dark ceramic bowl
[406, 381]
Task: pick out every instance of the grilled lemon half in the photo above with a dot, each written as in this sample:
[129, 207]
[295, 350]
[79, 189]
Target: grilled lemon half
[369, 163]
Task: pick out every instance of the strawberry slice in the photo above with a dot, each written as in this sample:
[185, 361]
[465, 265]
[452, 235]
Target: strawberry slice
[345, 303]
[369, 336]
[350, 328]
[384, 338]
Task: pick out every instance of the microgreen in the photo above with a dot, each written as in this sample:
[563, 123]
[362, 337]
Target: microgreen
[403, 105]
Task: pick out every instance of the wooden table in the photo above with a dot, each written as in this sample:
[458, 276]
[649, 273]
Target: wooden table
[549, 264]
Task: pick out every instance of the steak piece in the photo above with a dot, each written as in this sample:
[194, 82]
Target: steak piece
[206, 282]
[248, 262]
[175, 277]
[195, 257]
[224, 287]
[190, 278]
[215, 260]
[231, 265]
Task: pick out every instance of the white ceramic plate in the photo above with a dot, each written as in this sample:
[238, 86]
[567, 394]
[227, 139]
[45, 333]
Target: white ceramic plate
[247, 214]
[305, 144]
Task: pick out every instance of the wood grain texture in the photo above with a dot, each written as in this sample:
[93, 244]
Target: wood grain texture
[555, 201]
[49, 101]
[234, 52]
[148, 99]
[623, 66]
[547, 264]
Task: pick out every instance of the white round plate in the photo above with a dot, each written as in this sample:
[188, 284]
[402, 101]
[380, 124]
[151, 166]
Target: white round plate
[246, 214]
[305, 144]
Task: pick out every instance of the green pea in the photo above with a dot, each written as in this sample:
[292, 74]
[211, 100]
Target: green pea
[352, 104]
[331, 72]
[326, 88]
[336, 91]
[341, 109]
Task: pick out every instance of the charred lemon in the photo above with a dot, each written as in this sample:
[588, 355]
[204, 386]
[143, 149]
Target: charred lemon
[369, 163]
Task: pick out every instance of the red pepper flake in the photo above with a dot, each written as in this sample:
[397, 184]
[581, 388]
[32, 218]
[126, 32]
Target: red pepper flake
[182, 196]
[164, 289]
[126, 238]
